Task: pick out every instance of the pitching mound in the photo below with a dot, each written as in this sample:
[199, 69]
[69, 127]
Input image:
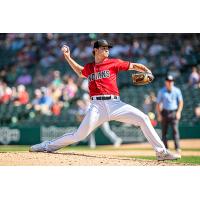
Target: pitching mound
[103, 156]
[75, 159]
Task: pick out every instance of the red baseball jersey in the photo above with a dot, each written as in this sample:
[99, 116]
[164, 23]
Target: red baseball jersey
[102, 77]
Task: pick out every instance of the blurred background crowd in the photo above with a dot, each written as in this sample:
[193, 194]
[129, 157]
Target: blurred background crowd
[37, 85]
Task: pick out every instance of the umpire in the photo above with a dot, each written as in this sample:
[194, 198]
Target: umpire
[169, 106]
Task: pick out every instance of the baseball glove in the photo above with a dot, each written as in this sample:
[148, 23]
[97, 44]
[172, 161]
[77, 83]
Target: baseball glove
[142, 78]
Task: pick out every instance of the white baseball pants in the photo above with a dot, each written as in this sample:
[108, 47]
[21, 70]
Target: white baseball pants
[101, 111]
[105, 127]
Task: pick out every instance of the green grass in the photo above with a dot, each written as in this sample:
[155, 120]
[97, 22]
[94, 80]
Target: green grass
[11, 148]
[191, 149]
[184, 159]
[82, 147]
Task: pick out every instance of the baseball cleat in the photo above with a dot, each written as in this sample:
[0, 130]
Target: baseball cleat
[178, 152]
[167, 156]
[178, 155]
[39, 147]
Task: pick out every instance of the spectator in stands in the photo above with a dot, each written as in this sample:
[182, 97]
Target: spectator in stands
[120, 49]
[188, 49]
[153, 100]
[25, 78]
[199, 75]
[22, 50]
[156, 48]
[149, 107]
[70, 89]
[14, 94]
[1, 88]
[36, 100]
[5, 93]
[169, 107]
[143, 60]
[56, 94]
[3, 74]
[40, 102]
[136, 48]
[12, 75]
[57, 81]
[39, 80]
[152, 118]
[82, 51]
[84, 85]
[47, 60]
[17, 44]
[49, 77]
[149, 103]
[22, 97]
[45, 101]
[56, 108]
[174, 71]
[176, 60]
[197, 112]
[194, 78]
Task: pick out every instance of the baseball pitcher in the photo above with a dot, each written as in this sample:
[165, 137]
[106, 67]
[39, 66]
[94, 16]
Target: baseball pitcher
[105, 101]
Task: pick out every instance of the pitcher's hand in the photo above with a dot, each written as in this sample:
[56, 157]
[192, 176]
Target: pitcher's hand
[66, 51]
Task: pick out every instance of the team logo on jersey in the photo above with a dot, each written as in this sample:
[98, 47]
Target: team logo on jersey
[99, 75]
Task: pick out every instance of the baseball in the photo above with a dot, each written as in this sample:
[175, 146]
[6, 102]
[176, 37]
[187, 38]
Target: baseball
[65, 48]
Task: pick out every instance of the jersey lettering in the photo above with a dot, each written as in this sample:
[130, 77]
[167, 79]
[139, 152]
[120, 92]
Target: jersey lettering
[99, 75]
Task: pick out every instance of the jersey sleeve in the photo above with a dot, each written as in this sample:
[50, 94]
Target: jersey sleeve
[159, 97]
[121, 65]
[179, 95]
[85, 70]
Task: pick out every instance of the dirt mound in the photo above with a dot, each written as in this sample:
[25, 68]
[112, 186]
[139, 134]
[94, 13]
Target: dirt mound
[75, 159]
[104, 156]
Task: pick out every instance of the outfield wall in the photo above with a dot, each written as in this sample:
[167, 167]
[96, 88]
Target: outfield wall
[32, 135]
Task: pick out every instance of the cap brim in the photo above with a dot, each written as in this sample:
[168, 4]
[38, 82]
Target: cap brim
[109, 46]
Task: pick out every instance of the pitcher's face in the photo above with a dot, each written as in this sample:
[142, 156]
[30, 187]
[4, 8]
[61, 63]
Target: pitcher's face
[102, 52]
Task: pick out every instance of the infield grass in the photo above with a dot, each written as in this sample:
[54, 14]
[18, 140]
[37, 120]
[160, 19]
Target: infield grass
[184, 159]
[10, 148]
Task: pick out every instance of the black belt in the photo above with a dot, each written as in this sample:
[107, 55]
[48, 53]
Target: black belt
[104, 98]
[169, 111]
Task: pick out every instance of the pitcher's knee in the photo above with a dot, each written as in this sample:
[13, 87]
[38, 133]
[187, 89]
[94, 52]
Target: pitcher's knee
[144, 119]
